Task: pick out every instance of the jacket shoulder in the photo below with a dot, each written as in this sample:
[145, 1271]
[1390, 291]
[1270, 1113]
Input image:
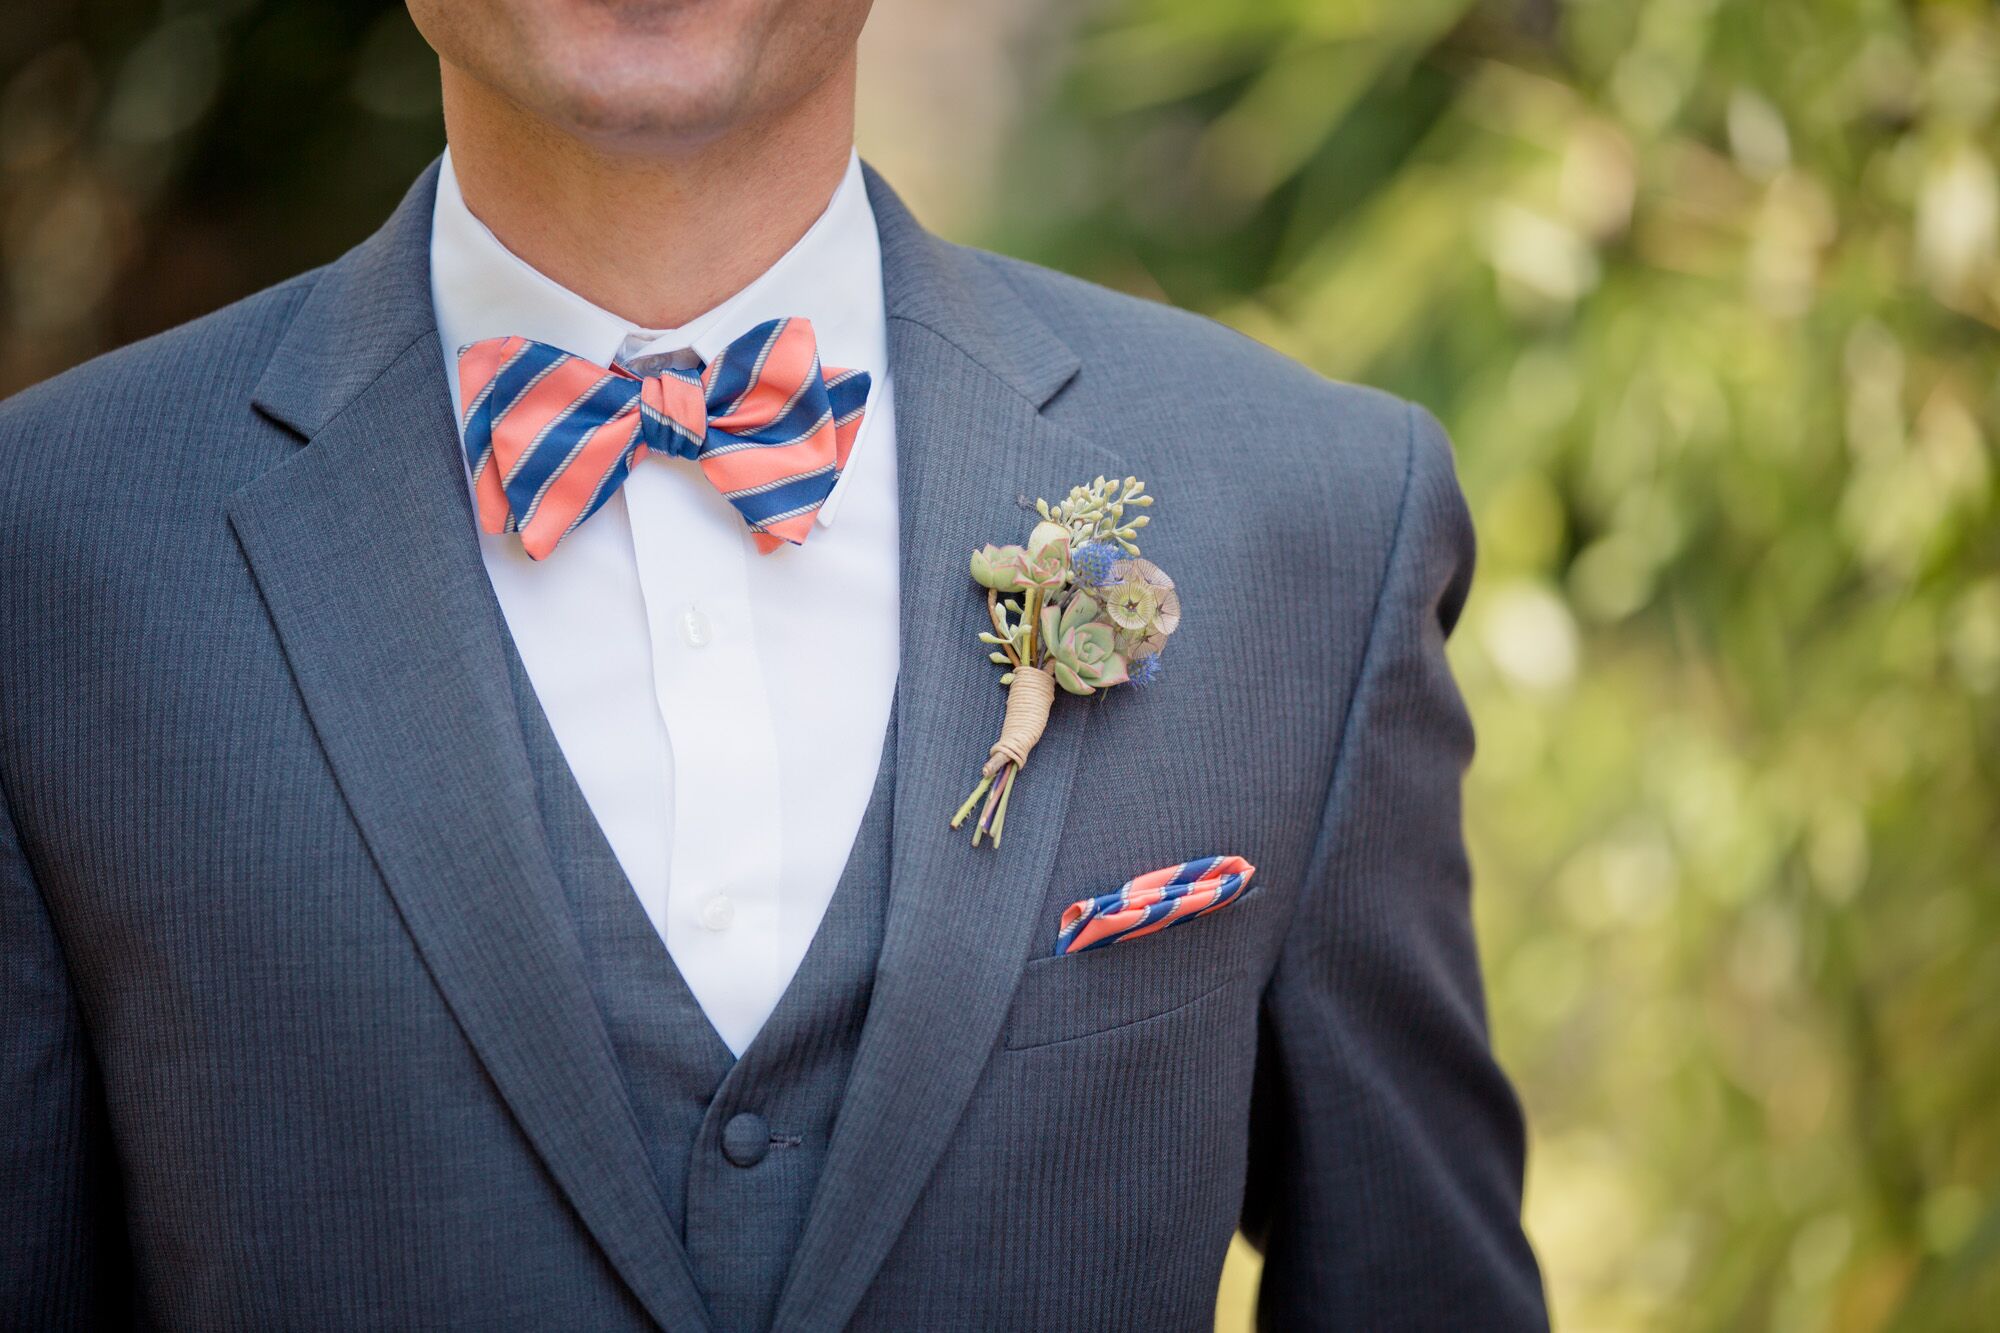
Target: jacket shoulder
[1187, 396]
[151, 409]
[193, 364]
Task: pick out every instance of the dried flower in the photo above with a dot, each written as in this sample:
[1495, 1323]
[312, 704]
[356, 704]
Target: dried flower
[1140, 599]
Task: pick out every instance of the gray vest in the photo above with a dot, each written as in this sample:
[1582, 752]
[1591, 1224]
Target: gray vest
[735, 1145]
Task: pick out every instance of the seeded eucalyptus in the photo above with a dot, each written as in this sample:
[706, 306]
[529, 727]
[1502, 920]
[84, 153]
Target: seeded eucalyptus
[1075, 608]
[1096, 512]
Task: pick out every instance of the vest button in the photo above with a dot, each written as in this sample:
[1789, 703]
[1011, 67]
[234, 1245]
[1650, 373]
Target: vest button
[746, 1139]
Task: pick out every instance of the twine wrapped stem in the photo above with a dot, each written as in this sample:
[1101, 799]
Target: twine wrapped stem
[1028, 700]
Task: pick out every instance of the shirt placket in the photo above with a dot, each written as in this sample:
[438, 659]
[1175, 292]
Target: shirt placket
[710, 684]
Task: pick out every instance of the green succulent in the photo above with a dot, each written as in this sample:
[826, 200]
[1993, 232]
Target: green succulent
[1083, 651]
[1042, 565]
[1001, 568]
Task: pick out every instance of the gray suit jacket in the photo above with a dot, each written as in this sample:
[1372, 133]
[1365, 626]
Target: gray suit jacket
[294, 1030]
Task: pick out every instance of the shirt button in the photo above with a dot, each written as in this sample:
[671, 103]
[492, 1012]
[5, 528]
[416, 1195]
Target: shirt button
[695, 628]
[746, 1139]
[718, 912]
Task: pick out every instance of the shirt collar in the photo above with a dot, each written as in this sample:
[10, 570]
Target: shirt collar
[831, 276]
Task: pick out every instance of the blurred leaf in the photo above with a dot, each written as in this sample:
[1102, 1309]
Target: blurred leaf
[1707, 291]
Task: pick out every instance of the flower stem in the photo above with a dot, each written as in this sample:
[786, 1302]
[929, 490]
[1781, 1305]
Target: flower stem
[992, 799]
[971, 801]
[1006, 791]
[999, 619]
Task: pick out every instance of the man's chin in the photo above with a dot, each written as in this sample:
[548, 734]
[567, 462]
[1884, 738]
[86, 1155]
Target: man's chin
[645, 117]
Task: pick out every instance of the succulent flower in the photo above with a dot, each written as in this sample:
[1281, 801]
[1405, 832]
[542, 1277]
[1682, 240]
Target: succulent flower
[1075, 605]
[1047, 534]
[1092, 562]
[1048, 569]
[1001, 568]
[1042, 564]
[1083, 650]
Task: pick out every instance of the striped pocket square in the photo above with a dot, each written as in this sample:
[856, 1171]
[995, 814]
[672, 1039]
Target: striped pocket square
[1153, 901]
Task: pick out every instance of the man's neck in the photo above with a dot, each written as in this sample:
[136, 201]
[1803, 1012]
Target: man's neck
[655, 239]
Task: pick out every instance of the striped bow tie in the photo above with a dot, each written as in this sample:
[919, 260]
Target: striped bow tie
[551, 436]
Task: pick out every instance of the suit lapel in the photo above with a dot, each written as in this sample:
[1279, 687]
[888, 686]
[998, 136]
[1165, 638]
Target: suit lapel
[363, 549]
[362, 546]
[971, 369]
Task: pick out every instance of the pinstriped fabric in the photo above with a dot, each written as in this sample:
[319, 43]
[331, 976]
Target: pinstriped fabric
[274, 832]
[551, 436]
[1153, 901]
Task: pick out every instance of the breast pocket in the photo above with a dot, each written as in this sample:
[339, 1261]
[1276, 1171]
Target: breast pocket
[1066, 996]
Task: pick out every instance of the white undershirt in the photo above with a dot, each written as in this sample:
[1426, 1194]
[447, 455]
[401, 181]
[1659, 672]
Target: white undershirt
[723, 711]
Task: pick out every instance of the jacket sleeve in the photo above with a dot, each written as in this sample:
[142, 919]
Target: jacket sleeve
[62, 1242]
[1386, 1145]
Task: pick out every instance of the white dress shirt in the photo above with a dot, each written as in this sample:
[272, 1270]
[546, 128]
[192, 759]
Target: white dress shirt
[723, 711]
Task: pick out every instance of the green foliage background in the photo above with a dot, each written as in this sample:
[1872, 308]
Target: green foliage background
[1707, 291]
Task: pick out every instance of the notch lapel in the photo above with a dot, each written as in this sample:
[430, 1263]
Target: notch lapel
[973, 452]
[362, 545]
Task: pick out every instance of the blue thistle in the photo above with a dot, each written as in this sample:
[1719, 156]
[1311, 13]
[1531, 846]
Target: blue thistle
[1092, 562]
[1144, 670]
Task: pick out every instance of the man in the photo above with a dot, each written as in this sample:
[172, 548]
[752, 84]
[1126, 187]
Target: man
[449, 881]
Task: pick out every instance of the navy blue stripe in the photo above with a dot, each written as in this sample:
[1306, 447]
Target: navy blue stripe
[665, 435]
[518, 375]
[848, 395]
[792, 424]
[608, 487]
[507, 384]
[478, 438]
[779, 500]
[1151, 913]
[1196, 868]
[788, 429]
[738, 360]
[597, 407]
[816, 402]
[1227, 888]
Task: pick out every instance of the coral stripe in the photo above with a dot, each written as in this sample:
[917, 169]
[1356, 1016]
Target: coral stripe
[479, 364]
[493, 509]
[577, 485]
[784, 370]
[1154, 879]
[843, 439]
[1152, 902]
[677, 400]
[1194, 903]
[539, 406]
[741, 469]
[794, 529]
[569, 431]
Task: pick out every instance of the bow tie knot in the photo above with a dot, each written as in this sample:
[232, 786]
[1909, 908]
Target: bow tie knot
[673, 413]
[551, 436]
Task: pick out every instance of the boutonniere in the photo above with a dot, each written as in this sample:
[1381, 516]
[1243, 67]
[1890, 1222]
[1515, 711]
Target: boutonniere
[1075, 608]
